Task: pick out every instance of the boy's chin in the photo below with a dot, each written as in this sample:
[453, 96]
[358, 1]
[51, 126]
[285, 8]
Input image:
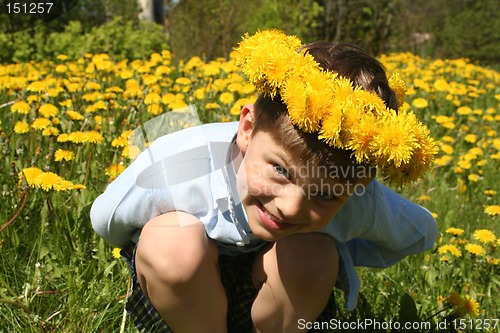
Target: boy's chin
[261, 233]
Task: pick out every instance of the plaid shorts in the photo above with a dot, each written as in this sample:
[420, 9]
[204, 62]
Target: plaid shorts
[237, 280]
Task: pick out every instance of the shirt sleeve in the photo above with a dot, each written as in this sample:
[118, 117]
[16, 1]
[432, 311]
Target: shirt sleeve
[172, 174]
[380, 227]
[400, 228]
[124, 206]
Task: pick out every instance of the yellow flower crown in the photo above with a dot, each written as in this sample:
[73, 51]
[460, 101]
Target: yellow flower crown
[344, 116]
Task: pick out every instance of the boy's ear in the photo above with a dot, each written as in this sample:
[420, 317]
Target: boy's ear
[245, 127]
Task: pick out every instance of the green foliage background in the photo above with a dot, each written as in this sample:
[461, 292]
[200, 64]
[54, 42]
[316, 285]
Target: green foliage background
[210, 28]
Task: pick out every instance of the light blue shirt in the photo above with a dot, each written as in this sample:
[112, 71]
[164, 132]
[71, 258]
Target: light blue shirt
[191, 171]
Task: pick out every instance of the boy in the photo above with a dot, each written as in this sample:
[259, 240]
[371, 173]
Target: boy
[248, 226]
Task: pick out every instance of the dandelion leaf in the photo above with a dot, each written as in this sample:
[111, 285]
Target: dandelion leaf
[408, 310]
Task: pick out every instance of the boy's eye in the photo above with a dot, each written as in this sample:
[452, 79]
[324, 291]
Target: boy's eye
[281, 170]
[327, 196]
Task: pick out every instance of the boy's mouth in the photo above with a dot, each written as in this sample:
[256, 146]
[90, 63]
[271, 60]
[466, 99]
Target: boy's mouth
[269, 220]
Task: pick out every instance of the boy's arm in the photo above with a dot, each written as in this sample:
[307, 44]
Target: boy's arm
[400, 228]
[381, 227]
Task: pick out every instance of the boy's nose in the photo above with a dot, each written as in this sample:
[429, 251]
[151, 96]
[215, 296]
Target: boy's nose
[290, 202]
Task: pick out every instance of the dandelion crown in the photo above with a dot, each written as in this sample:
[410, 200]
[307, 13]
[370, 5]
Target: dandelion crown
[343, 115]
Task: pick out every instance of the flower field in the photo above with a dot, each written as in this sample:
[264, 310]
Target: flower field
[64, 137]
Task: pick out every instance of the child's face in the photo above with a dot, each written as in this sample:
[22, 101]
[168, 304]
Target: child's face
[282, 197]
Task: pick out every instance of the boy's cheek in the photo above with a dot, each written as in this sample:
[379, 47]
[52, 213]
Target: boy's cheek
[242, 182]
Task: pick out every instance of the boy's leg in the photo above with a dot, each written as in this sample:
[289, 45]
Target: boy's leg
[177, 269]
[297, 276]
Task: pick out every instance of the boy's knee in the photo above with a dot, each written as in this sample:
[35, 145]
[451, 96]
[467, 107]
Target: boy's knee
[171, 254]
[306, 259]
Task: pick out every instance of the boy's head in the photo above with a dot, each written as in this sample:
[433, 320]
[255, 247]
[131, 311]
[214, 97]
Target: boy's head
[325, 119]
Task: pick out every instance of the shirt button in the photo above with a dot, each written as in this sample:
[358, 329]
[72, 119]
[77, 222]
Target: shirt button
[240, 244]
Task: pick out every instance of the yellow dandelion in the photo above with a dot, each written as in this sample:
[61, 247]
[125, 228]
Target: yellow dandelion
[461, 186]
[464, 111]
[67, 103]
[93, 137]
[116, 253]
[62, 57]
[48, 110]
[20, 107]
[442, 161]
[424, 197]
[61, 68]
[76, 137]
[37, 86]
[493, 210]
[484, 236]
[395, 141]
[330, 128]
[360, 138]
[447, 149]
[471, 306]
[473, 177]
[490, 192]
[131, 152]
[41, 123]
[464, 164]
[492, 261]
[64, 185]
[30, 175]
[238, 105]
[92, 86]
[455, 231]
[444, 259]
[397, 84]
[476, 151]
[475, 249]
[119, 142]
[152, 98]
[21, 127]
[183, 81]
[448, 125]
[226, 97]
[441, 85]
[297, 97]
[154, 109]
[47, 181]
[420, 103]
[448, 139]
[449, 248]
[63, 155]
[49, 131]
[212, 106]
[73, 115]
[114, 170]
[63, 137]
[471, 138]
[481, 163]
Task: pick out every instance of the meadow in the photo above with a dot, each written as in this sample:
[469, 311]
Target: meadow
[64, 136]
